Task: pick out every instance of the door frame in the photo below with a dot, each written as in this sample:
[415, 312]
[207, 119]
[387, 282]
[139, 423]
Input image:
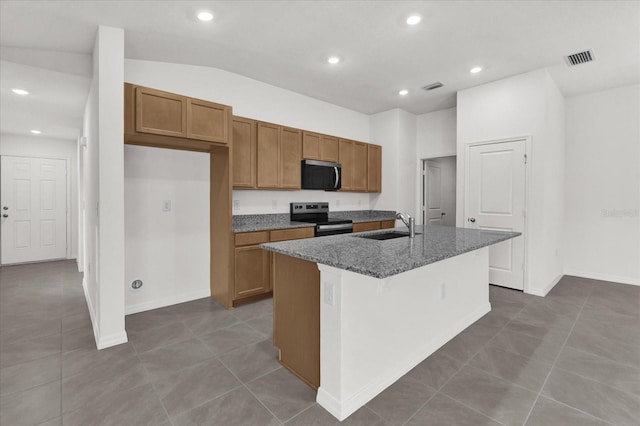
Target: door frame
[422, 181]
[528, 194]
[67, 161]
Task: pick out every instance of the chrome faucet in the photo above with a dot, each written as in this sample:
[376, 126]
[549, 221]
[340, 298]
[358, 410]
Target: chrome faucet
[409, 222]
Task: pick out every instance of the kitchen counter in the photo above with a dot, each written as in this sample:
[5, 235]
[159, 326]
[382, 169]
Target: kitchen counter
[381, 259]
[266, 222]
[352, 315]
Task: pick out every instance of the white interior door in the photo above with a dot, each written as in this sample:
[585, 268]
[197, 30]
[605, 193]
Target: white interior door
[495, 200]
[433, 193]
[34, 209]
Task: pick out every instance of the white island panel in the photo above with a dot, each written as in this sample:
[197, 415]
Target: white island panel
[373, 331]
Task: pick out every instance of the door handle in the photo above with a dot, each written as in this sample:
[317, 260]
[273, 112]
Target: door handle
[442, 214]
[5, 208]
[335, 169]
[5, 215]
[472, 219]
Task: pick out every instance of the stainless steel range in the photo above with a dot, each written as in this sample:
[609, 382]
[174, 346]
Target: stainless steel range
[318, 213]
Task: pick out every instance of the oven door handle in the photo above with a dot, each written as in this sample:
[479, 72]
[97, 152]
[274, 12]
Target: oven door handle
[332, 227]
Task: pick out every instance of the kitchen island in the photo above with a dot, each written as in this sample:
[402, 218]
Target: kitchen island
[352, 315]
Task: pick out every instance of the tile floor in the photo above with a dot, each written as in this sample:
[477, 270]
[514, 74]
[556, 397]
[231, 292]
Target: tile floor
[572, 358]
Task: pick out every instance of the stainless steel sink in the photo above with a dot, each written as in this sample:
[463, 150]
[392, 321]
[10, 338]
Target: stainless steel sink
[385, 235]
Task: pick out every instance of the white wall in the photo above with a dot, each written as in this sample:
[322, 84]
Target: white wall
[384, 132]
[103, 175]
[27, 146]
[602, 186]
[395, 130]
[436, 134]
[168, 251]
[435, 137]
[525, 105]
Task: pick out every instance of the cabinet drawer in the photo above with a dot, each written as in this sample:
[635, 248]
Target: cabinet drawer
[384, 224]
[291, 234]
[366, 226]
[251, 238]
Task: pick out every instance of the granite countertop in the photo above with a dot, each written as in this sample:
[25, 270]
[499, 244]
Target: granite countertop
[265, 222]
[381, 259]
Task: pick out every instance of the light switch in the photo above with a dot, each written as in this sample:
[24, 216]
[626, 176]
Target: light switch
[166, 205]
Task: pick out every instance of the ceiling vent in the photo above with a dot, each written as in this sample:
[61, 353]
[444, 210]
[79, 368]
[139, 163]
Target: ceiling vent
[579, 58]
[432, 86]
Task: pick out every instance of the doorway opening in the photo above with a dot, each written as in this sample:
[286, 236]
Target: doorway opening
[439, 191]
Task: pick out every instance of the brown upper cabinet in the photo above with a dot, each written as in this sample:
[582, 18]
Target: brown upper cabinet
[353, 157]
[244, 152]
[360, 167]
[279, 151]
[374, 173]
[207, 121]
[175, 121]
[346, 158]
[320, 147]
[160, 113]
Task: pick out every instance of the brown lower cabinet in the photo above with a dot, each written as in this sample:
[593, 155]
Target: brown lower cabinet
[372, 226]
[252, 274]
[296, 316]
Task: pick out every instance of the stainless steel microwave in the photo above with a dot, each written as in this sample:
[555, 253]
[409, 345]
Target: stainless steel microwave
[321, 175]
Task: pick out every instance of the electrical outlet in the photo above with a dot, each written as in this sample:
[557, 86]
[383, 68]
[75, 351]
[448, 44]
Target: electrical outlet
[274, 204]
[359, 203]
[329, 294]
[166, 205]
[338, 203]
[443, 291]
[236, 204]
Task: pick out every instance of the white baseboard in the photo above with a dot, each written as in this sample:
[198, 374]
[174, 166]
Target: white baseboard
[542, 292]
[92, 315]
[166, 301]
[343, 410]
[104, 342]
[603, 277]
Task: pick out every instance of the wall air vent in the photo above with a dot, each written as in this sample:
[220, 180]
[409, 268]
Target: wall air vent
[579, 58]
[432, 86]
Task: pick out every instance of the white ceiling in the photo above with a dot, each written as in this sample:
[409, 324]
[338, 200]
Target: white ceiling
[286, 43]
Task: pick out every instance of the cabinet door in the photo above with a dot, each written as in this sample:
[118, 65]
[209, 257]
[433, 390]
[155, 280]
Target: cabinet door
[366, 226]
[207, 121]
[310, 146]
[252, 271]
[346, 159]
[360, 167]
[386, 224]
[160, 113]
[243, 146]
[374, 172]
[290, 157]
[268, 155]
[329, 149]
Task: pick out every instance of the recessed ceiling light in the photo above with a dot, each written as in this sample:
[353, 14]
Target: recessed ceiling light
[333, 60]
[414, 19]
[20, 91]
[36, 132]
[403, 92]
[205, 16]
[475, 70]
